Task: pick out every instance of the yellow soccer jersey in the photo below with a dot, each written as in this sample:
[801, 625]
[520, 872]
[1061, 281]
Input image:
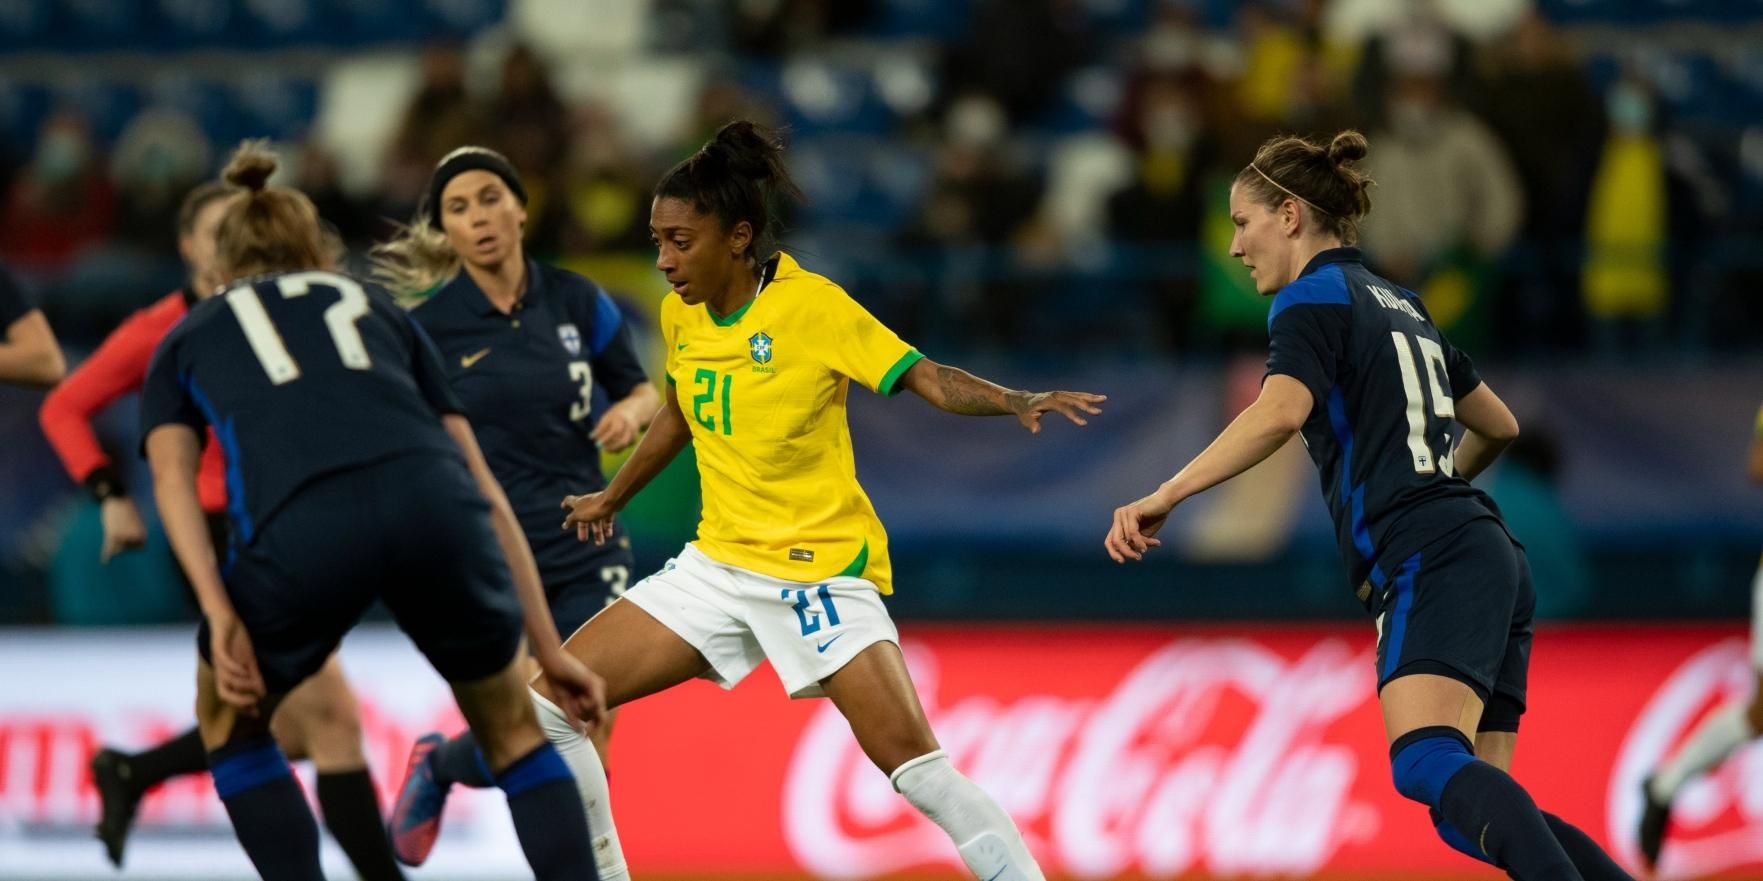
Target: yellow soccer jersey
[764, 392]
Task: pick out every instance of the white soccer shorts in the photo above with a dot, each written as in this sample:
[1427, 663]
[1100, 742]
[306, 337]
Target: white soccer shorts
[737, 618]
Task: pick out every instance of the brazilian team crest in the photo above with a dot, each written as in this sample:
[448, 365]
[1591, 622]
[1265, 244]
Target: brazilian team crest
[761, 345]
[570, 337]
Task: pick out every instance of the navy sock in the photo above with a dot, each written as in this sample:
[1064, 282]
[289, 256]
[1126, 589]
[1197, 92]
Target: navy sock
[548, 816]
[352, 813]
[1590, 859]
[1435, 767]
[183, 754]
[460, 761]
[269, 814]
[1449, 835]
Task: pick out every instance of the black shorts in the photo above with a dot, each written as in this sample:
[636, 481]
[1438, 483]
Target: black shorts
[413, 532]
[573, 601]
[1462, 608]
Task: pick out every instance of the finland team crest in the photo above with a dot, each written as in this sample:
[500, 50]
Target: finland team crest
[571, 338]
[761, 345]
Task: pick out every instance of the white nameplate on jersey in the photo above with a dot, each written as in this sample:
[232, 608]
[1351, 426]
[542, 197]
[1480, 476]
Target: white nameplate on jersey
[1391, 300]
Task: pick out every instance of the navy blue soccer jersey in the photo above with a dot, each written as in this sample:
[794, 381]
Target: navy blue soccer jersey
[302, 375]
[1381, 431]
[12, 302]
[529, 380]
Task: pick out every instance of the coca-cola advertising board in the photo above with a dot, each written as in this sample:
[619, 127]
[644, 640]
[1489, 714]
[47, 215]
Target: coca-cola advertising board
[1238, 751]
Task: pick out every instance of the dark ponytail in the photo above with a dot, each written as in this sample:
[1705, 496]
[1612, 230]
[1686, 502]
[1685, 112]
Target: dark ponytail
[1325, 178]
[736, 176]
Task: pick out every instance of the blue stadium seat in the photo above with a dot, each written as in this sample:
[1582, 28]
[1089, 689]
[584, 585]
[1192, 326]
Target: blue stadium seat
[823, 97]
[275, 106]
[96, 25]
[24, 24]
[209, 104]
[192, 24]
[366, 22]
[933, 19]
[283, 22]
[22, 108]
[108, 105]
[462, 18]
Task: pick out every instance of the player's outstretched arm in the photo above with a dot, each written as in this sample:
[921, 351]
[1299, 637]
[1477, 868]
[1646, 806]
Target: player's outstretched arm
[173, 452]
[580, 691]
[591, 515]
[1491, 428]
[1255, 434]
[29, 354]
[953, 390]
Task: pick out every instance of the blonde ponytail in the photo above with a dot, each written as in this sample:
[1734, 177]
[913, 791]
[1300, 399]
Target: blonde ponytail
[416, 261]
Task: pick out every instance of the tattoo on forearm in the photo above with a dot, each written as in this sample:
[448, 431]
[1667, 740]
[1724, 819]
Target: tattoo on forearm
[967, 395]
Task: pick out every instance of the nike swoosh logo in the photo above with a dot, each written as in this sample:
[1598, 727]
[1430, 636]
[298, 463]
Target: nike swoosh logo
[473, 358]
[822, 646]
[680, 346]
[1000, 873]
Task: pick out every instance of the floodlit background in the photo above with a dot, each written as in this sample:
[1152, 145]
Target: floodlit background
[1033, 189]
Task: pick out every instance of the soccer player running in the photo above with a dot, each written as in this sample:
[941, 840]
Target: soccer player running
[29, 355]
[524, 345]
[1357, 366]
[1723, 732]
[354, 478]
[791, 562]
[319, 720]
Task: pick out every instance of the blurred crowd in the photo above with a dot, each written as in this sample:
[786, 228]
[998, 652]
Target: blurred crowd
[1050, 173]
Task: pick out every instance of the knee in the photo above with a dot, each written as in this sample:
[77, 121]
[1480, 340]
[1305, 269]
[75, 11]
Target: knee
[1424, 760]
[329, 731]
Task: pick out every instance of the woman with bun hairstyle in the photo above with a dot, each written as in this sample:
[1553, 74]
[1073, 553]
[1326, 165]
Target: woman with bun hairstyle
[1356, 365]
[529, 348]
[338, 423]
[791, 562]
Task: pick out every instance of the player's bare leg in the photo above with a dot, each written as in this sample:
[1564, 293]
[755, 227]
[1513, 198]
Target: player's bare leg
[875, 694]
[252, 777]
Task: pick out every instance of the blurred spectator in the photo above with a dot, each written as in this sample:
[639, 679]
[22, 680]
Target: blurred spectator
[977, 202]
[439, 118]
[356, 222]
[157, 159]
[1020, 52]
[62, 201]
[1448, 203]
[606, 191]
[1158, 215]
[1538, 100]
[1626, 287]
[773, 28]
[1412, 40]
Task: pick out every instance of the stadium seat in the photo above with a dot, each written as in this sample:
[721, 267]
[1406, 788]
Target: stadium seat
[823, 97]
[462, 18]
[22, 108]
[88, 25]
[282, 22]
[922, 19]
[195, 24]
[279, 107]
[108, 105]
[208, 103]
[24, 24]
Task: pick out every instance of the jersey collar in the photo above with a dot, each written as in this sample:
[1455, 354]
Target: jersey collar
[1332, 255]
[479, 303]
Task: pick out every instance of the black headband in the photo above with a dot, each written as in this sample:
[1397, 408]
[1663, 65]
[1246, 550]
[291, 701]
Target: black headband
[470, 159]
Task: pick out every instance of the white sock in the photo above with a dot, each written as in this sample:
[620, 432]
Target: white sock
[984, 834]
[1715, 739]
[590, 783]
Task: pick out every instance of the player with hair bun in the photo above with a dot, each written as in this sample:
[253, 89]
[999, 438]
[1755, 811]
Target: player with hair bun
[1358, 368]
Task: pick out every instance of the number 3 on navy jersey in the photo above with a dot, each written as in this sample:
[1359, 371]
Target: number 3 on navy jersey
[580, 372]
[1432, 359]
[266, 341]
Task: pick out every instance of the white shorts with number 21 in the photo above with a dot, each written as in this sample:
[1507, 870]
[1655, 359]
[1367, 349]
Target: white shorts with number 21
[736, 618]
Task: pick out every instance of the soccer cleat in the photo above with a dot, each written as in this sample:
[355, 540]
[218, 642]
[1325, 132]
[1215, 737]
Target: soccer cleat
[117, 799]
[416, 818]
[1655, 816]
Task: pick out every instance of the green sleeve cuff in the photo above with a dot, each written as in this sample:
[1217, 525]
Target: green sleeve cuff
[887, 387]
[669, 379]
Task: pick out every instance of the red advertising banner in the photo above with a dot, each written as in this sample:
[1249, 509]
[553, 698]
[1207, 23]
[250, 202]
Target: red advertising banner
[1240, 751]
[1243, 751]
